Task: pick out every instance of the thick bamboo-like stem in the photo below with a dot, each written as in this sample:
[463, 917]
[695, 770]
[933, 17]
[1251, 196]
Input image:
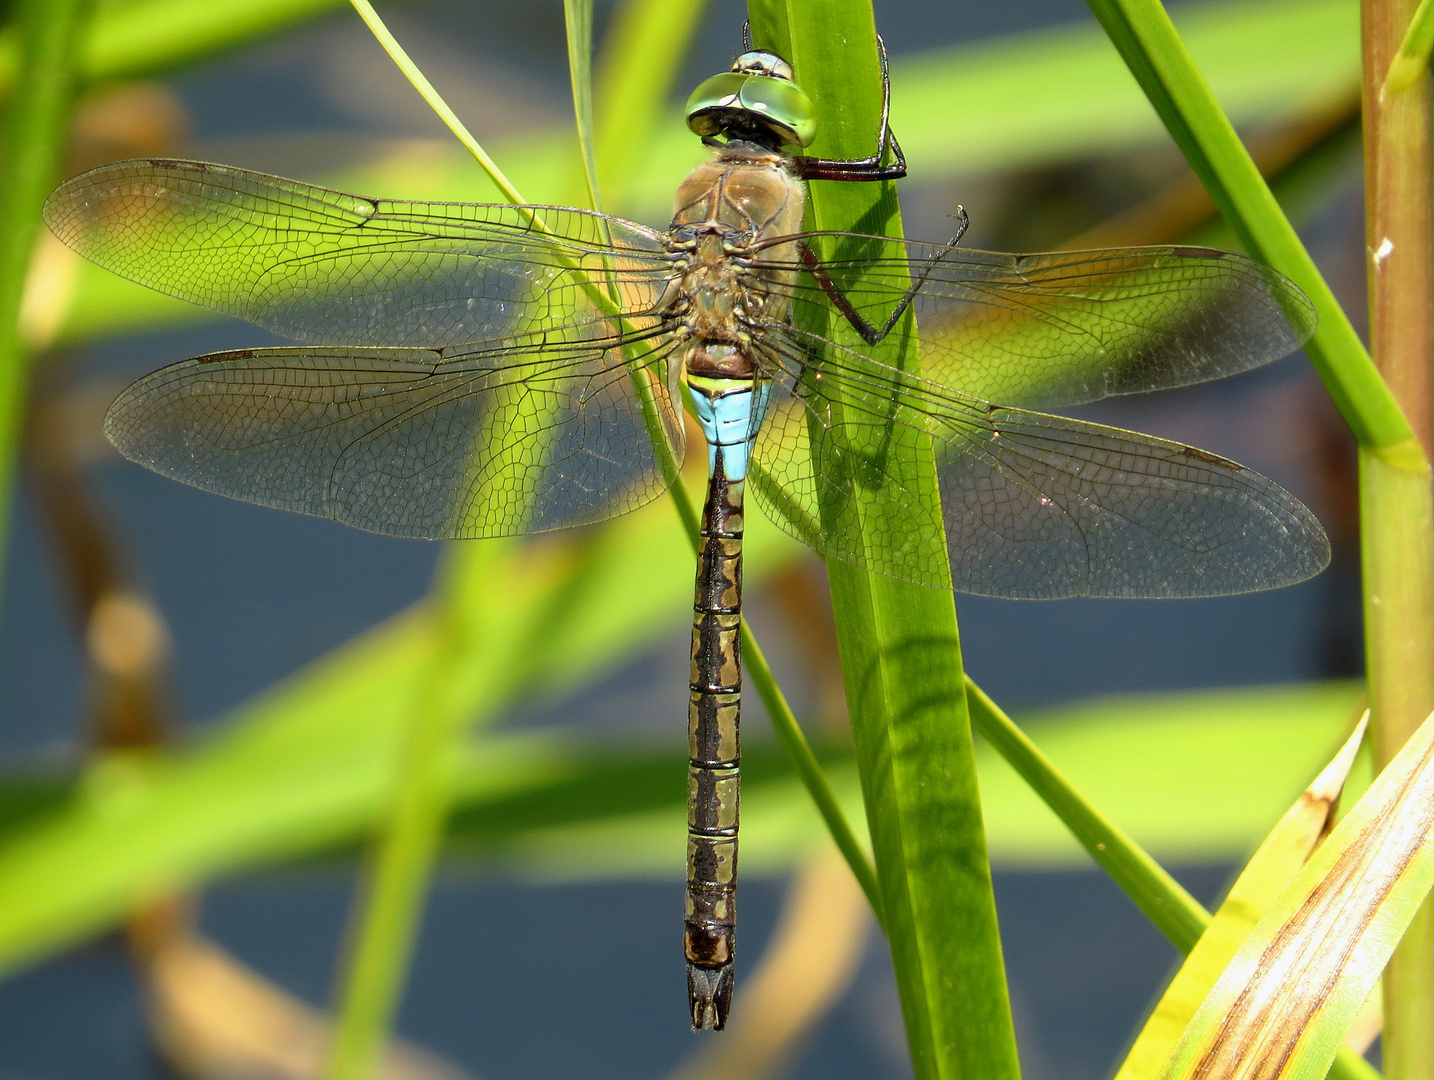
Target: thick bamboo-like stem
[1398, 550]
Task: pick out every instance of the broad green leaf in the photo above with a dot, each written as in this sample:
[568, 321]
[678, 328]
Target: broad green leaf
[1284, 1003]
[1063, 93]
[34, 131]
[1267, 873]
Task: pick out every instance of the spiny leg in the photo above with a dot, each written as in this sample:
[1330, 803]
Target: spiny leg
[869, 333]
[867, 168]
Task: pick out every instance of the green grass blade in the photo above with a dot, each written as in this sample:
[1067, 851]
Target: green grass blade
[307, 767]
[32, 143]
[1147, 41]
[899, 644]
[390, 906]
[433, 99]
[1172, 910]
[578, 15]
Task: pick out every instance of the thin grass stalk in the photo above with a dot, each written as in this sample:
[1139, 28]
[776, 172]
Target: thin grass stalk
[34, 135]
[578, 17]
[1398, 540]
[898, 642]
[804, 762]
[395, 886]
[1148, 43]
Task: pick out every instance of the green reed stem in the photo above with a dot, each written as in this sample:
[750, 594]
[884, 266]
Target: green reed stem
[1396, 501]
[1172, 910]
[809, 770]
[389, 910]
[34, 134]
[435, 101]
[1396, 498]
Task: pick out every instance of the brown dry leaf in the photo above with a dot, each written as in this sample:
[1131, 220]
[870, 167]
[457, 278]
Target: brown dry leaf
[1268, 872]
[1300, 979]
[213, 1018]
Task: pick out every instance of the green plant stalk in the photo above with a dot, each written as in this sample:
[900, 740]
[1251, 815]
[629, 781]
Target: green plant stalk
[34, 134]
[804, 762]
[1172, 910]
[1396, 499]
[898, 641]
[433, 99]
[389, 910]
[1395, 511]
[578, 17]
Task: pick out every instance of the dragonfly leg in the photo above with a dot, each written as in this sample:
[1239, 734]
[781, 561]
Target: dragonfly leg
[867, 168]
[870, 333]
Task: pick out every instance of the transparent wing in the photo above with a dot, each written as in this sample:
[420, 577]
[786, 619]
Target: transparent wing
[328, 268]
[1034, 506]
[1065, 328]
[412, 442]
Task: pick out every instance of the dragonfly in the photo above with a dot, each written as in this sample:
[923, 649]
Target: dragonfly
[481, 370]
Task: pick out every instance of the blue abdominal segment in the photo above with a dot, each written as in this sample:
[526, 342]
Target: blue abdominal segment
[730, 412]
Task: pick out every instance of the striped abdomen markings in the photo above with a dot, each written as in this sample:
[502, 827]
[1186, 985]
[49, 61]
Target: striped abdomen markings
[714, 755]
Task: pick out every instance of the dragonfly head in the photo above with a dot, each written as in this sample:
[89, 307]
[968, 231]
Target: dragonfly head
[757, 101]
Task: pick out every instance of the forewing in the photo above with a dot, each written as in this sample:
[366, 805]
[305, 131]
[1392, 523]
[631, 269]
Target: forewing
[1065, 328]
[1035, 506]
[411, 442]
[328, 268]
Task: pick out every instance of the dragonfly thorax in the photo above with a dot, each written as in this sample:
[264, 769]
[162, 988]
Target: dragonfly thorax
[728, 210]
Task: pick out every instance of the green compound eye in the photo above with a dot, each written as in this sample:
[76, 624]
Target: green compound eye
[735, 103]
